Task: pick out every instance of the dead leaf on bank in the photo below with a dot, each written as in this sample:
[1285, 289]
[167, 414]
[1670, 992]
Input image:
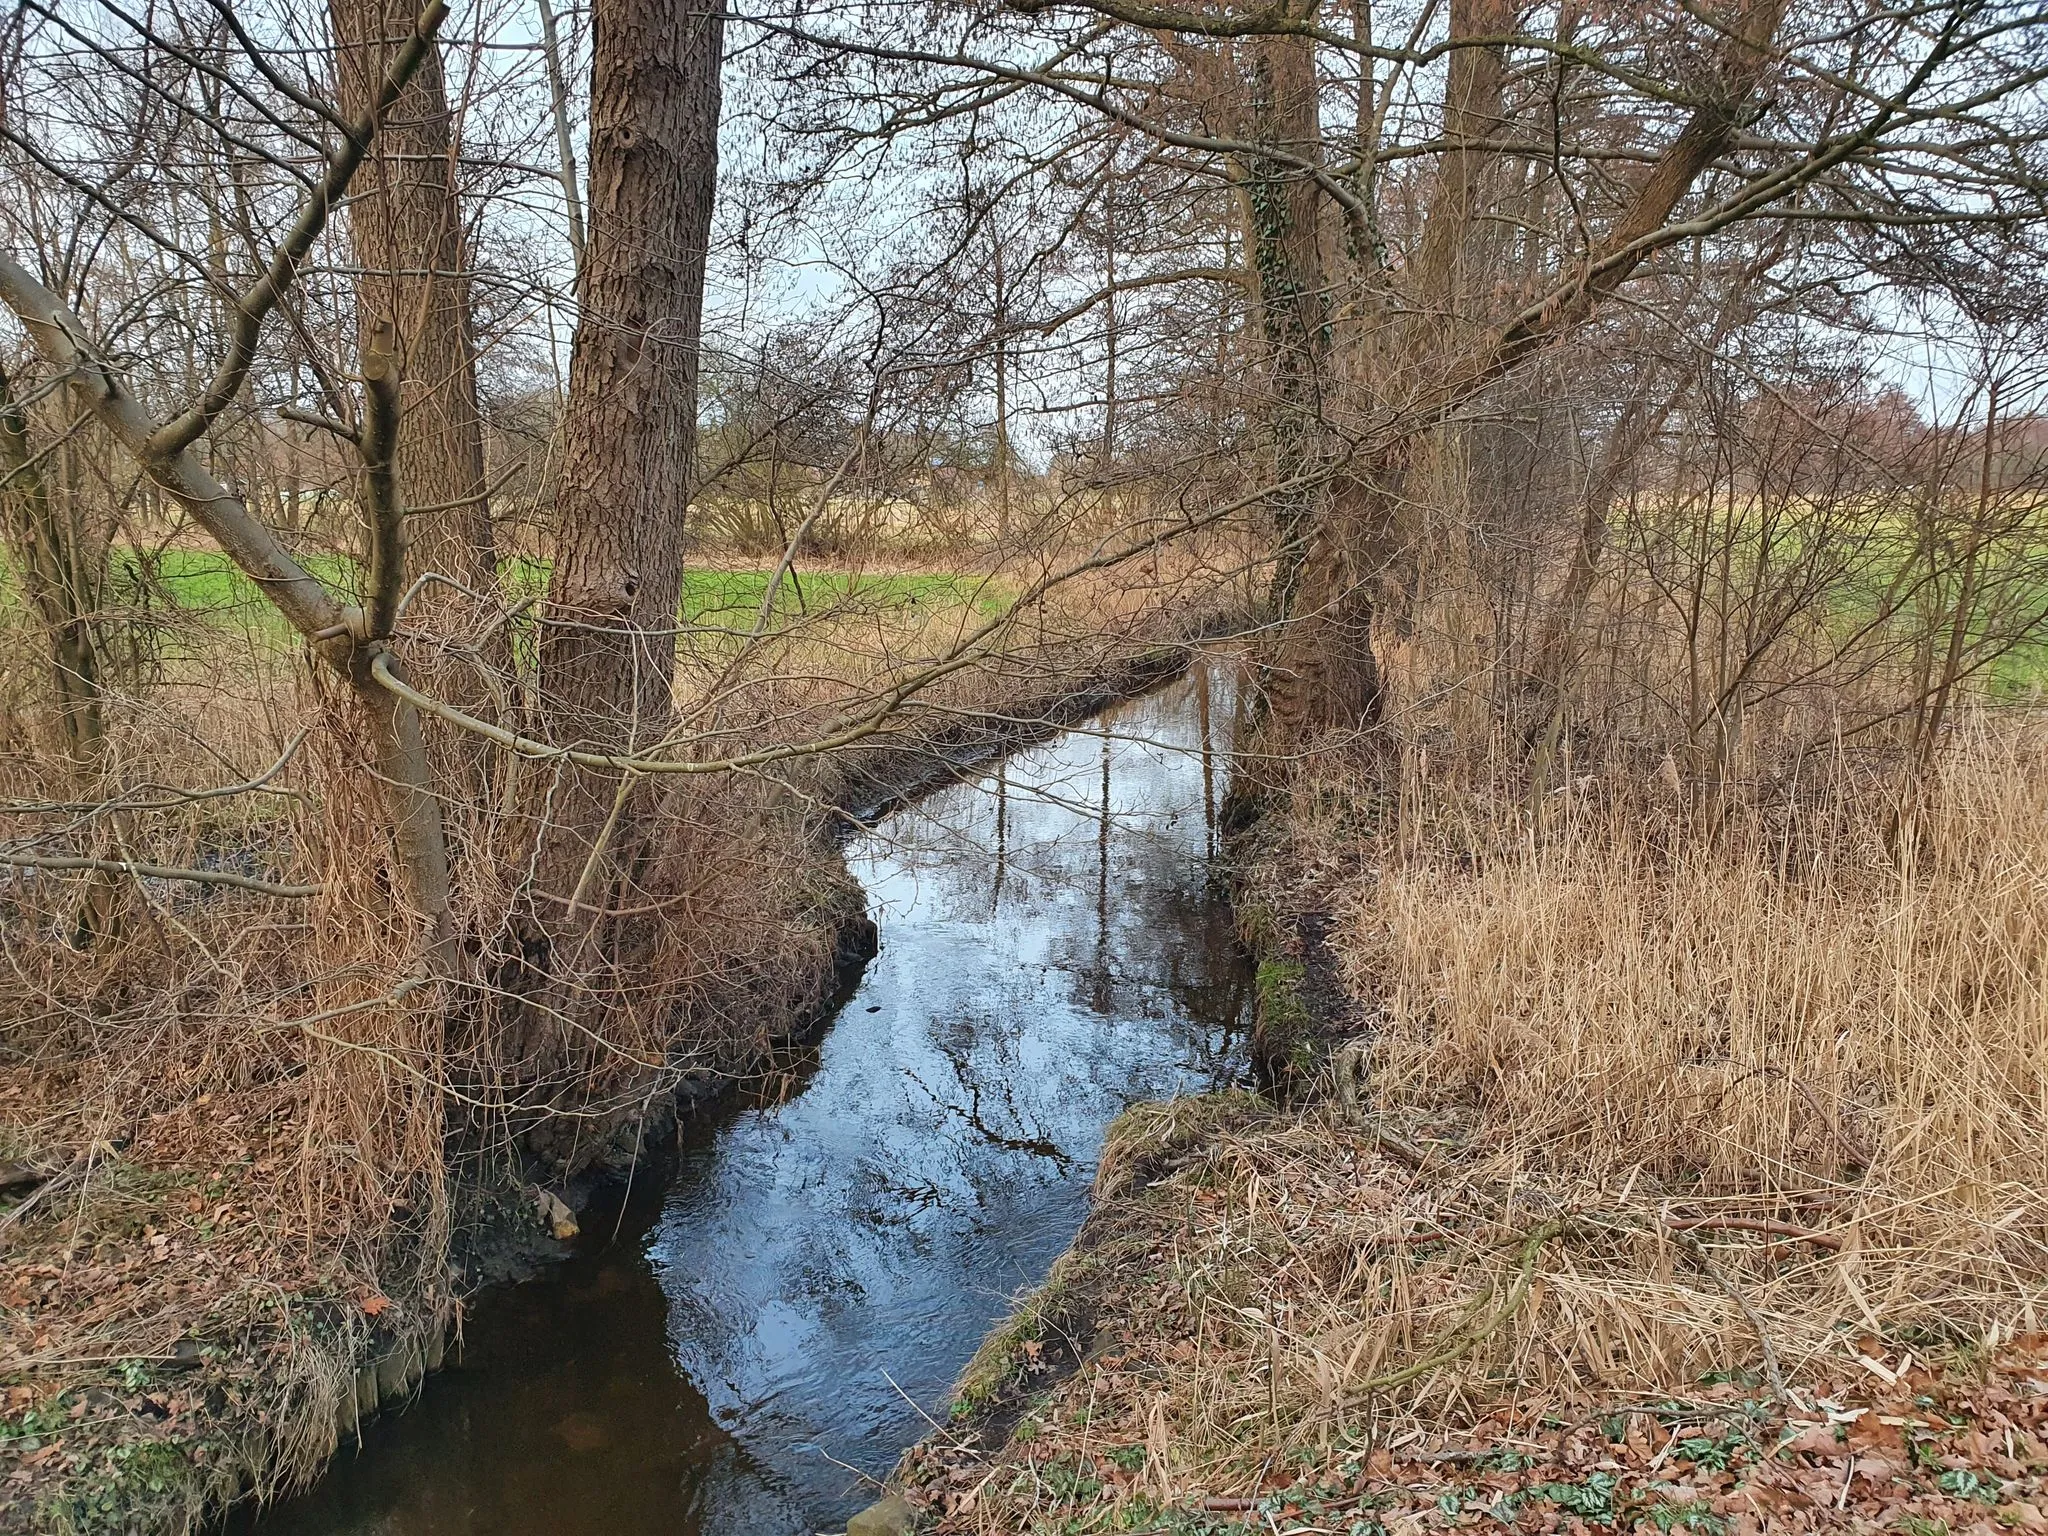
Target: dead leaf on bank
[555, 1215]
[1818, 1440]
[374, 1305]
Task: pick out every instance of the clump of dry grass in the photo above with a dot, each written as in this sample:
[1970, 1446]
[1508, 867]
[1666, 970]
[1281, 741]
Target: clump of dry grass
[1304, 1322]
[1834, 1021]
[1736, 1091]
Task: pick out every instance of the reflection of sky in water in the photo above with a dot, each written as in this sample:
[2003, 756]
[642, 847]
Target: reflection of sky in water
[812, 1259]
[846, 1251]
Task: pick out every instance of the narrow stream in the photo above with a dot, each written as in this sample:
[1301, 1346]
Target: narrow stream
[764, 1337]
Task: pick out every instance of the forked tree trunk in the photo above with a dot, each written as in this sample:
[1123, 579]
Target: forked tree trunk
[1344, 554]
[1335, 535]
[354, 640]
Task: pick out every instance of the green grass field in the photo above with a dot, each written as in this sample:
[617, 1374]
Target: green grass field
[731, 599]
[1869, 545]
[204, 583]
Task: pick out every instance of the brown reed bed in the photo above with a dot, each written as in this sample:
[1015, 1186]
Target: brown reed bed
[1656, 1179]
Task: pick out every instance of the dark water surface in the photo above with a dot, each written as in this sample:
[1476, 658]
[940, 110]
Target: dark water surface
[773, 1326]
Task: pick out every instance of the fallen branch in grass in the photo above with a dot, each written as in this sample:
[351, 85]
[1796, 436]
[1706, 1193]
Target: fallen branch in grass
[1734, 1293]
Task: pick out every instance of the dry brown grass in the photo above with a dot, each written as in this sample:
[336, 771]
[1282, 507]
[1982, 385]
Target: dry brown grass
[1625, 1110]
[1823, 1018]
[1281, 1322]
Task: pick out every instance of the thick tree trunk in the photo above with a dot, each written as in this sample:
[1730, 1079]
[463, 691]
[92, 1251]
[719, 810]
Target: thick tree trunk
[1325, 673]
[1322, 668]
[413, 311]
[405, 223]
[1283, 216]
[630, 429]
[607, 634]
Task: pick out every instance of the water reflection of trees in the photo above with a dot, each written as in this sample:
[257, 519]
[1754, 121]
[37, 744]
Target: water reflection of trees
[966, 1104]
[1119, 818]
[1049, 955]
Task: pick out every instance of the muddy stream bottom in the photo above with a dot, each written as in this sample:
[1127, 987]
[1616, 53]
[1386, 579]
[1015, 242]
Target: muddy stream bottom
[741, 1352]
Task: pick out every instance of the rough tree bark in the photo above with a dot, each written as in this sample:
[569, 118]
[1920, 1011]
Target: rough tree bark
[405, 225]
[1268, 96]
[1356, 555]
[413, 317]
[607, 632]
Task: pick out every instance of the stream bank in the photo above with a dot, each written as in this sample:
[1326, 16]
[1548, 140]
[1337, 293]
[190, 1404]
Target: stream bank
[159, 1432]
[747, 1350]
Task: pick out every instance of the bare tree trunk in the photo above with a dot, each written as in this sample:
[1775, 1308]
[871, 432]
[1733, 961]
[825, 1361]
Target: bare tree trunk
[1435, 619]
[1292, 291]
[1002, 330]
[1556, 650]
[607, 639]
[50, 569]
[405, 223]
[413, 310]
[1322, 663]
[565, 147]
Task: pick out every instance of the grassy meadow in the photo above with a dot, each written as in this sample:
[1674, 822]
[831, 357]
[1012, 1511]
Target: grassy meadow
[178, 583]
